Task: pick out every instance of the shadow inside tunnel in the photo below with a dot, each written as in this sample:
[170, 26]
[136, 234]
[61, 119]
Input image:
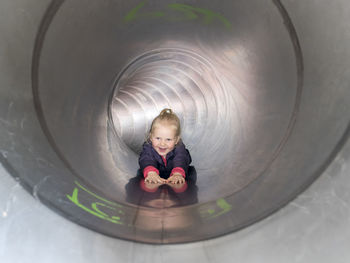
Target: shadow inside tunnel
[141, 193]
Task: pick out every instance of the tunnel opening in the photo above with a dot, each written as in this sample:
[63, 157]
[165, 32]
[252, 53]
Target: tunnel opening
[221, 93]
[99, 76]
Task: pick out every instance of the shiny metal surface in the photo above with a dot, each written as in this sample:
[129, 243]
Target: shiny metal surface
[263, 110]
[313, 228]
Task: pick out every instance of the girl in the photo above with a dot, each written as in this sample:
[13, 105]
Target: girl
[164, 158]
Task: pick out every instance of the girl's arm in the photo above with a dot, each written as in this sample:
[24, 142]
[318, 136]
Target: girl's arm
[146, 158]
[181, 161]
[148, 165]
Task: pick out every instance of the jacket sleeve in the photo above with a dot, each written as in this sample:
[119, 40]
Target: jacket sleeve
[182, 157]
[146, 157]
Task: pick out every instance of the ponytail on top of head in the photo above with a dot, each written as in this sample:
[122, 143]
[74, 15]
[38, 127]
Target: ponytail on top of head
[166, 111]
[167, 117]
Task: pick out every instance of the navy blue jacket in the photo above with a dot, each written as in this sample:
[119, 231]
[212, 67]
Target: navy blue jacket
[178, 157]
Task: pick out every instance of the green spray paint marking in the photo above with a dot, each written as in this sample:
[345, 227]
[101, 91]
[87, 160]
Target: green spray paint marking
[184, 13]
[208, 16]
[133, 14]
[95, 195]
[96, 206]
[222, 207]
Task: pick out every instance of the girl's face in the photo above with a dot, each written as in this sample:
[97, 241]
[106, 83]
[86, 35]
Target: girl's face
[164, 139]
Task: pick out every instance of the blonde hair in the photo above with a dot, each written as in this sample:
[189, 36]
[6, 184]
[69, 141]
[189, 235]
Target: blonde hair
[166, 117]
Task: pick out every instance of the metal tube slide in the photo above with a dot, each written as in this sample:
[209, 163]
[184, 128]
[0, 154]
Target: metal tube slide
[261, 88]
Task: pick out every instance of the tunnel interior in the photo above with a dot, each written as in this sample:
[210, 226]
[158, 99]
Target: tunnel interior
[259, 116]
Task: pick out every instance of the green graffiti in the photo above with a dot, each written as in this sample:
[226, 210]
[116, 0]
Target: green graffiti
[98, 197]
[208, 16]
[221, 207]
[134, 13]
[186, 10]
[115, 212]
[211, 211]
[183, 13]
[225, 207]
[97, 206]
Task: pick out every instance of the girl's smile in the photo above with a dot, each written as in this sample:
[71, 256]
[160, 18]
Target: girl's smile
[163, 139]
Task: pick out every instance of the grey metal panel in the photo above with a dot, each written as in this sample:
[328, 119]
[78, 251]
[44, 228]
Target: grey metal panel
[312, 228]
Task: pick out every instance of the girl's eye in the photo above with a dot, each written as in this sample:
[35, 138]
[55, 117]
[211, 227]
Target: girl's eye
[169, 140]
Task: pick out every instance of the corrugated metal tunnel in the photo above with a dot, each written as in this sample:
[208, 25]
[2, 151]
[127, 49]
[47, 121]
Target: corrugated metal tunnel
[261, 88]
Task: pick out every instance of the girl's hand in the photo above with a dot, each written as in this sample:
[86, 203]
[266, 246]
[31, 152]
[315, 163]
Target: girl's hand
[176, 178]
[153, 177]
